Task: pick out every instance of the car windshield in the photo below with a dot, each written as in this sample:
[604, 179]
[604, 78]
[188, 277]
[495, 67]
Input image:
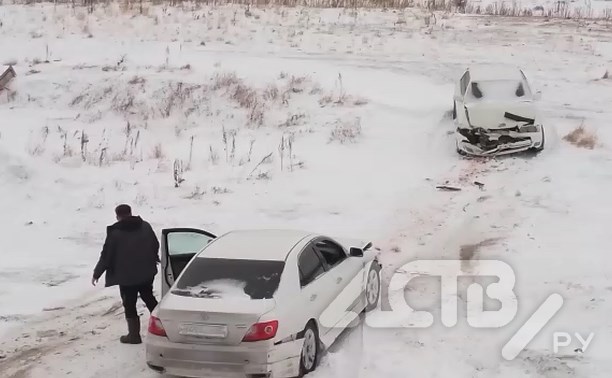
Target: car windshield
[220, 278]
[497, 90]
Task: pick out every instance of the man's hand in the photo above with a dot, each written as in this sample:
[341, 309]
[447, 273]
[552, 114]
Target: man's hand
[94, 281]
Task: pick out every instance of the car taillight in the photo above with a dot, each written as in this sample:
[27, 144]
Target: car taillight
[262, 331]
[156, 327]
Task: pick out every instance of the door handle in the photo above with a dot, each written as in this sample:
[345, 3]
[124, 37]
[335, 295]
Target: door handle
[313, 297]
[338, 280]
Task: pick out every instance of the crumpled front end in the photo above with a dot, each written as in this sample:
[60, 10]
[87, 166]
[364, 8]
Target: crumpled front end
[519, 134]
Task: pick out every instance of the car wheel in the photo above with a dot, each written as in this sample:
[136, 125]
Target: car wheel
[372, 290]
[459, 150]
[311, 350]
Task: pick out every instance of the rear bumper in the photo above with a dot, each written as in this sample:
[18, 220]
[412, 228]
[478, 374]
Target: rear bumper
[189, 360]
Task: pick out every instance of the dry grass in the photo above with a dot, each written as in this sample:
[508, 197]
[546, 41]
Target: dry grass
[346, 132]
[158, 151]
[271, 93]
[563, 10]
[224, 80]
[296, 84]
[245, 96]
[293, 120]
[137, 80]
[580, 137]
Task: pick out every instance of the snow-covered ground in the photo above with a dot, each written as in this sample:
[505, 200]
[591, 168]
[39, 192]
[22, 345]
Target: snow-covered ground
[353, 106]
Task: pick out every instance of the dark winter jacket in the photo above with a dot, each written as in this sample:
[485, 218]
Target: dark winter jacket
[130, 253]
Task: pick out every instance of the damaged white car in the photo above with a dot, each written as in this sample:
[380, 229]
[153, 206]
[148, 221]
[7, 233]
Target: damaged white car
[495, 112]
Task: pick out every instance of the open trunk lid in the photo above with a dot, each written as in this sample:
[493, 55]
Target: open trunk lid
[194, 320]
[500, 115]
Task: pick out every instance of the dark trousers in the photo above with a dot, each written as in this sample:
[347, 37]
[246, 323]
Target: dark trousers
[129, 296]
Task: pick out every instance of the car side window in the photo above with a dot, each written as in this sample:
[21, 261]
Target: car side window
[520, 90]
[476, 92]
[465, 80]
[331, 252]
[310, 266]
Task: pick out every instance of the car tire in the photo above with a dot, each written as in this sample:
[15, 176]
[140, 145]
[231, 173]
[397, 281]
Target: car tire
[311, 349]
[372, 289]
[459, 150]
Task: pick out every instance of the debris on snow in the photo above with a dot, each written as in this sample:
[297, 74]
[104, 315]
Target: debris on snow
[49, 309]
[448, 188]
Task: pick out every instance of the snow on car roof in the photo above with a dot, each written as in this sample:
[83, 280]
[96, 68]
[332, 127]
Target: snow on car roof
[264, 244]
[494, 72]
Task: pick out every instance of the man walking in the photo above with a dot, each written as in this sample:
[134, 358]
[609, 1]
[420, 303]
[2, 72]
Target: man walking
[129, 258]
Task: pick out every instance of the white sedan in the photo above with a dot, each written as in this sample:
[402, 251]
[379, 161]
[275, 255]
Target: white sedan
[256, 303]
[495, 112]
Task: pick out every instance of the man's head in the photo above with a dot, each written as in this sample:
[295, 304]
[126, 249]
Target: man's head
[123, 211]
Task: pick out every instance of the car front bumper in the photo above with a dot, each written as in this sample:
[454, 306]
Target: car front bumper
[200, 360]
[510, 142]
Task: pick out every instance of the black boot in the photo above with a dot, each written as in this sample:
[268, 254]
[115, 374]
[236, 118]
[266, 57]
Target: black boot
[133, 336]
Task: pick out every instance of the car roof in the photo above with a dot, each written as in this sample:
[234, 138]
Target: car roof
[257, 244]
[483, 72]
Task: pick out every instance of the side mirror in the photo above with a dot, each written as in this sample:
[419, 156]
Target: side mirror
[356, 252]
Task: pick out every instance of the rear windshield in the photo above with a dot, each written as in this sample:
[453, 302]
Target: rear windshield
[230, 278]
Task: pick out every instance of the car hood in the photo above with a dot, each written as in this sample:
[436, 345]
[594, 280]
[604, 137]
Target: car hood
[494, 115]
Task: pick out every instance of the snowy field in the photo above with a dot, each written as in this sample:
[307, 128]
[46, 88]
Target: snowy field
[335, 121]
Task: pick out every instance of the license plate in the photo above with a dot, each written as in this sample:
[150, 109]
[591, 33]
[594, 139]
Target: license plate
[203, 330]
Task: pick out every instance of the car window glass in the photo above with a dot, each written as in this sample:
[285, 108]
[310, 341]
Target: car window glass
[520, 91]
[331, 252]
[465, 79]
[497, 90]
[219, 278]
[476, 92]
[185, 243]
[310, 266]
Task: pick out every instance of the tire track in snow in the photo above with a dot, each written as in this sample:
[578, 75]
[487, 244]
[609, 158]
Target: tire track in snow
[56, 333]
[435, 225]
[474, 221]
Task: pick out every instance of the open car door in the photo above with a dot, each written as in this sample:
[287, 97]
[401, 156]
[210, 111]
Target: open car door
[178, 247]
